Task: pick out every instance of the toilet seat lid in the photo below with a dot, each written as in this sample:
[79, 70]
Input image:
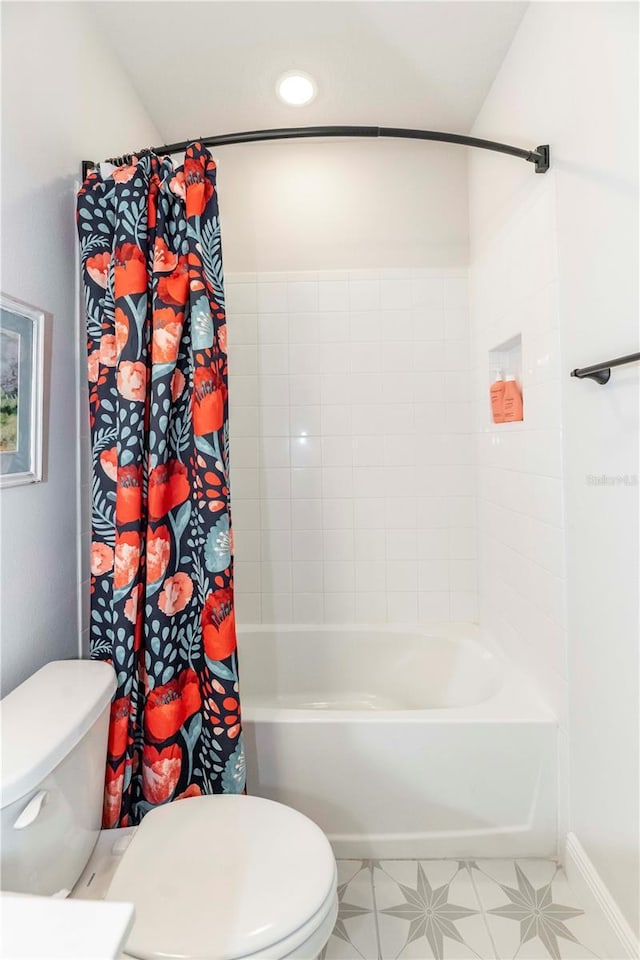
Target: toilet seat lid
[222, 877]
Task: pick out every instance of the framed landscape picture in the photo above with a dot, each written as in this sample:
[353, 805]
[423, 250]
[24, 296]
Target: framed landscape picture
[21, 392]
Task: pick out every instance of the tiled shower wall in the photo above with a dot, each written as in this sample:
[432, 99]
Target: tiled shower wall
[521, 524]
[351, 447]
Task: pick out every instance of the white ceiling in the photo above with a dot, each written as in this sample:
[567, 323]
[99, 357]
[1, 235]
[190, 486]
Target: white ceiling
[204, 68]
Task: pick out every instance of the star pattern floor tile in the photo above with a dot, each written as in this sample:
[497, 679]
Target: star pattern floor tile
[456, 909]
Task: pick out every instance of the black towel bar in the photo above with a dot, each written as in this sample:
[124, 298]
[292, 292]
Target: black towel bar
[601, 372]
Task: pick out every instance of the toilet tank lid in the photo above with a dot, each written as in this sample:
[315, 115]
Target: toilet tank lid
[44, 718]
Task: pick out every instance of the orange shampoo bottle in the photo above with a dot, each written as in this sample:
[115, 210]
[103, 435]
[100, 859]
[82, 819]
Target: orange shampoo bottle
[497, 398]
[512, 400]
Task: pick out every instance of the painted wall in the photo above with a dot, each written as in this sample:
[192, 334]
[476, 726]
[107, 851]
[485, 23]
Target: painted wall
[351, 446]
[586, 106]
[54, 113]
[338, 205]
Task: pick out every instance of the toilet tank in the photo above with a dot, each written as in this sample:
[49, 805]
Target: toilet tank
[54, 730]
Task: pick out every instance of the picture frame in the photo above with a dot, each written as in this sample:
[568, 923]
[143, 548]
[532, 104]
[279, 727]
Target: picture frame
[21, 392]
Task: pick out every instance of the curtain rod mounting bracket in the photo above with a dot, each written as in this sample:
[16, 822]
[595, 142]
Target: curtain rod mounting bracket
[542, 160]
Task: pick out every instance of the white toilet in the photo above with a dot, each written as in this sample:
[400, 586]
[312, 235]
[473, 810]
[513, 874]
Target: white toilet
[216, 877]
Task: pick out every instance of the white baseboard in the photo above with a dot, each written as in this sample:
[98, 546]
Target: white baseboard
[616, 938]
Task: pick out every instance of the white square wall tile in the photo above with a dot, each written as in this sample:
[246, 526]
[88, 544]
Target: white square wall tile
[305, 421]
[456, 294]
[277, 608]
[274, 390]
[275, 514]
[395, 293]
[433, 576]
[365, 326]
[244, 451]
[463, 575]
[339, 608]
[371, 608]
[274, 451]
[433, 544]
[369, 544]
[275, 545]
[306, 452]
[364, 294]
[304, 328]
[368, 513]
[463, 543]
[307, 576]
[244, 421]
[308, 608]
[371, 576]
[402, 545]
[275, 483]
[335, 420]
[274, 421]
[302, 296]
[304, 358]
[244, 390]
[304, 389]
[306, 483]
[245, 483]
[333, 295]
[242, 328]
[275, 576]
[368, 451]
[428, 293]
[307, 545]
[241, 298]
[434, 607]
[273, 359]
[402, 607]
[333, 358]
[337, 482]
[247, 545]
[338, 545]
[248, 608]
[272, 297]
[306, 514]
[337, 451]
[401, 576]
[243, 359]
[337, 513]
[273, 328]
[247, 577]
[339, 576]
[464, 606]
[336, 389]
[246, 514]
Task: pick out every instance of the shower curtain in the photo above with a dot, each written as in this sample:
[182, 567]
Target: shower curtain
[161, 554]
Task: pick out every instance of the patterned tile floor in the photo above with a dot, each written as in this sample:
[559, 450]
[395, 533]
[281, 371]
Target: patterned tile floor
[454, 909]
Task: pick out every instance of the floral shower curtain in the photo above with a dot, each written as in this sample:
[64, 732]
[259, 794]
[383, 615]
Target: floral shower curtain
[161, 566]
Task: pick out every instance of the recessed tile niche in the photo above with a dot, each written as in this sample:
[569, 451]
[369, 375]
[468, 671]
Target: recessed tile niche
[506, 357]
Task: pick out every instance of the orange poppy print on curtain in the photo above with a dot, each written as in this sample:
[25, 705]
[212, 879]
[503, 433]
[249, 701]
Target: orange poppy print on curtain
[162, 609]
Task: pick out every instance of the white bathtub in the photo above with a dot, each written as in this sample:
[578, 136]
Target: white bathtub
[400, 742]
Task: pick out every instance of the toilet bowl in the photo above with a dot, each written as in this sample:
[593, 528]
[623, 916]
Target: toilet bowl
[210, 877]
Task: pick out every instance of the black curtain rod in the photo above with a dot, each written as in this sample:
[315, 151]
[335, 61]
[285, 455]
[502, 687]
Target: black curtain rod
[539, 156]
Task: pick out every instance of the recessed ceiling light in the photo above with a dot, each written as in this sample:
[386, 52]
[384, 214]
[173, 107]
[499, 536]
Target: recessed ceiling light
[296, 88]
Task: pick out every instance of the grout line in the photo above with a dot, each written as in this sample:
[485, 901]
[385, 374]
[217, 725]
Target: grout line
[482, 911]
[375, 911]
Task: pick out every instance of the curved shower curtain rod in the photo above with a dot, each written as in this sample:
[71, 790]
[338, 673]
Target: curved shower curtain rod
[539, 156]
